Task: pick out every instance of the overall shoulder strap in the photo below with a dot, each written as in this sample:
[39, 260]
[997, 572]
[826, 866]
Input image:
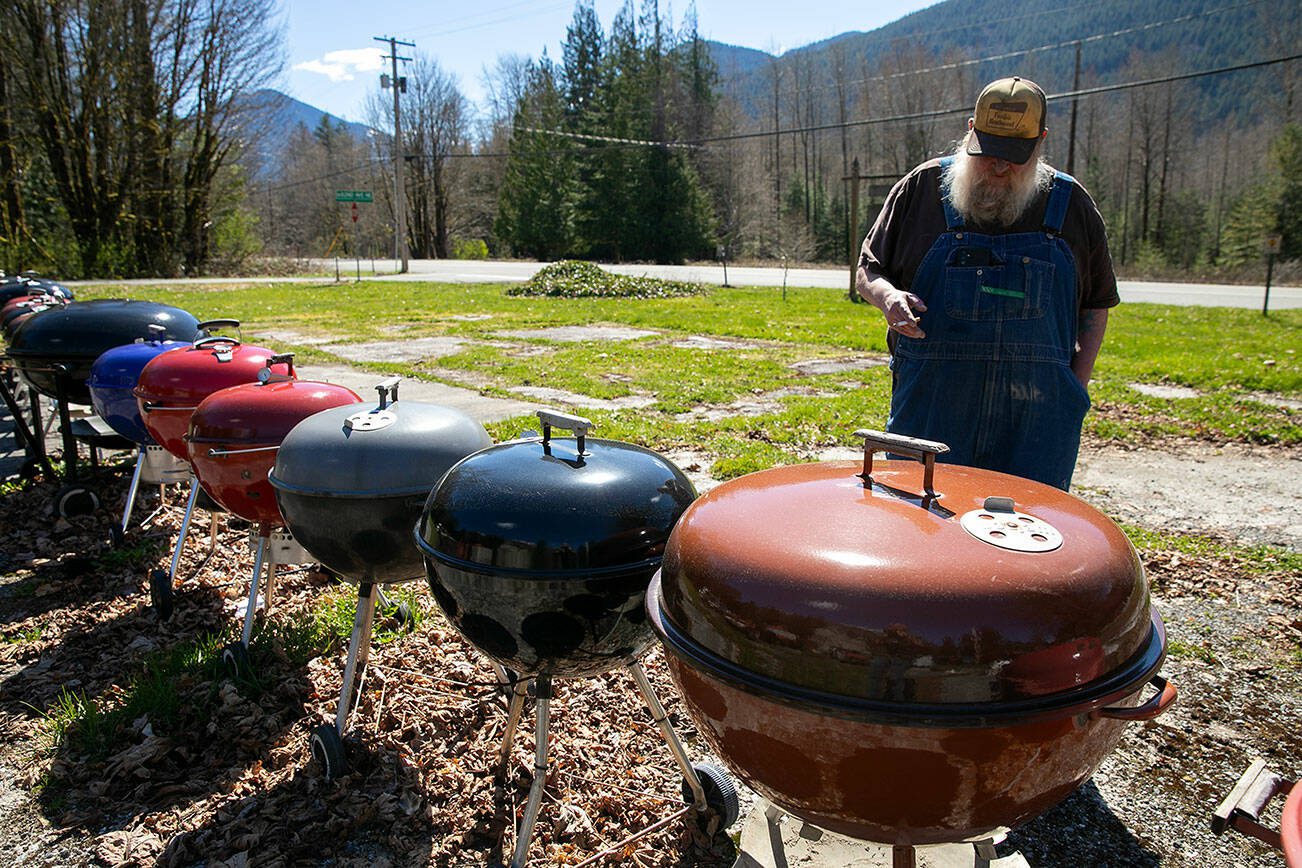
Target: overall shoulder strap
[953, 220]
[1059, 195]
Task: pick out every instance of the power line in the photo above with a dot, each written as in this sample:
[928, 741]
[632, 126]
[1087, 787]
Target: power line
[1052, 46]
[967, 108]
[616, 144]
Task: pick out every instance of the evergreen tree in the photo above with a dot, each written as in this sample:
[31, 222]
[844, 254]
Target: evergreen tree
[1287, 151]
[536, 207]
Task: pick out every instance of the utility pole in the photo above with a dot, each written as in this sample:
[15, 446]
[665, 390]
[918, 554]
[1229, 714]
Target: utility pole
[854, 178]
[399, 84]
[1075, 102]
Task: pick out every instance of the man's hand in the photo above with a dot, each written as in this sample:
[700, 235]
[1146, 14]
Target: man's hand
[896, 305]
[899, 308]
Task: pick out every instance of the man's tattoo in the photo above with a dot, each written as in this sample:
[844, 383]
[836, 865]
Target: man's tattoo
[1089, 322]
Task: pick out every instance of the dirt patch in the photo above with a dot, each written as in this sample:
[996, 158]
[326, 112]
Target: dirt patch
[1246, 495]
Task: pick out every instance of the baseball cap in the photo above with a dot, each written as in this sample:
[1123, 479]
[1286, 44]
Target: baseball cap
[1008, 120]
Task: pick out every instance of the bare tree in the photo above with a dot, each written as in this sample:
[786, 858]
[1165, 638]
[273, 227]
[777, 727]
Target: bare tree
[134, 104]
[437, 127]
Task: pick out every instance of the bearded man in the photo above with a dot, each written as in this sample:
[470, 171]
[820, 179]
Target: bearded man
[993, 272]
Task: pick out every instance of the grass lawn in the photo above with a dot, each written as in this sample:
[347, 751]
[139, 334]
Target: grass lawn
[1241, 363]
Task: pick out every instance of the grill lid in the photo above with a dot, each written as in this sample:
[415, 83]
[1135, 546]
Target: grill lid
[192, 374]
[120, 367]
[546, 505]
[389, 449]
[84, 330]
[862, 581]
[262, 413]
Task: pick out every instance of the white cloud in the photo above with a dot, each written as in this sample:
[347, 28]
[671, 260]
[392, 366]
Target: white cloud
[342, 64]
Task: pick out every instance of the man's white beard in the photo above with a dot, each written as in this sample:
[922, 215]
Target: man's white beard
[984, 200]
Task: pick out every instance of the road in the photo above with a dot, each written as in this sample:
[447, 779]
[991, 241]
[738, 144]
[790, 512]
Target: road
[501, 271]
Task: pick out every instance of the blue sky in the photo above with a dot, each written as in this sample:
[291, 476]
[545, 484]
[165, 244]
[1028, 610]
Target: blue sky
[334, 63]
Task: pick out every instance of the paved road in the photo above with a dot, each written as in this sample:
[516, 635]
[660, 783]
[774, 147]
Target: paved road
[466, 271]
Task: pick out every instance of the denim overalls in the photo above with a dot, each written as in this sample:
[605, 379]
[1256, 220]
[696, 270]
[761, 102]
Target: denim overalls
[992, 378]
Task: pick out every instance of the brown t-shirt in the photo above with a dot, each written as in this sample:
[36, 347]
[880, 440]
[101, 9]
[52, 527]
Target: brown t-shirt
[913, 217]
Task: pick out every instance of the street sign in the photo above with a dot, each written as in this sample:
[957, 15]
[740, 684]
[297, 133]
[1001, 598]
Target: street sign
[354, 196]
[1272, 244]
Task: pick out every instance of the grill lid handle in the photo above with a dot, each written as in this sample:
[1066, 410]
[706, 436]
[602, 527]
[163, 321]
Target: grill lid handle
[388, 390]
[265, 375]
[219, 324]
[910, 447]
[579, 425]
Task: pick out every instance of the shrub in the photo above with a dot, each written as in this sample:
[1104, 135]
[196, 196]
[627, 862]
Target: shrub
[469, 248]
[573, 279]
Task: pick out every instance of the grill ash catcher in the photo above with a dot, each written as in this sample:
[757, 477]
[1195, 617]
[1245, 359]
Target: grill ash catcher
[539, 552]
[350, 483]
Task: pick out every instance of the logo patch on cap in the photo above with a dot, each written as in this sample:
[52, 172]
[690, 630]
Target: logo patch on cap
[1005, 118]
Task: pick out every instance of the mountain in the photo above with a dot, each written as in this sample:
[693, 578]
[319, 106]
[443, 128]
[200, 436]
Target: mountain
[270, 118]
[979, 40]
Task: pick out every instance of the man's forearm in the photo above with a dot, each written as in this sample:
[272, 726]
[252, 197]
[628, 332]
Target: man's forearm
[1089, 339]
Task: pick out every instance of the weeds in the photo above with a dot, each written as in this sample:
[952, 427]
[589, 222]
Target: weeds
[95, 727]
[1186, 651]
[1256, 559]
[31, 634]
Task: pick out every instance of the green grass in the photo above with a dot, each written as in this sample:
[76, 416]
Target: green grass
[133, 555]
[22, 637]
[97, 726]
[1186, 651]
[1225, 354]
[1254, 559]
[326, 627]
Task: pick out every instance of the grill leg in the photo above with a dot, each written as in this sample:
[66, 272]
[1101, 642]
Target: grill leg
[671, 738]
[543, 687]
[252, 609]
[131, 492]
[903, 856]
[185, 526]
[359, 648]
[33, 443]
[271, 577]
[65, 429]
[512, 721]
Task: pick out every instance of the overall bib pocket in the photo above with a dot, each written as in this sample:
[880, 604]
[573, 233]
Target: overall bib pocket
[1001, 290]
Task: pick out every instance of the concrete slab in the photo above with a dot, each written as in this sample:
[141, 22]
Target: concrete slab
[814, 367]
[1157, 390]
[404, 350]
[575, 334]
[480, 407]
[559, 396]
